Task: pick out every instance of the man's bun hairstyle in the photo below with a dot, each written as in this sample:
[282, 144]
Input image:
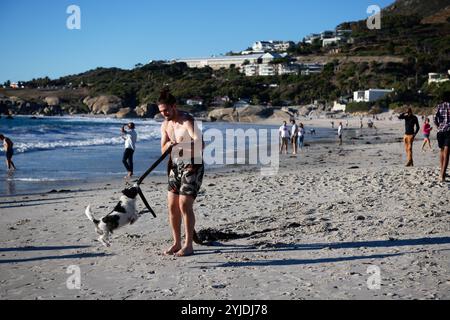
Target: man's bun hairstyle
[166, 97]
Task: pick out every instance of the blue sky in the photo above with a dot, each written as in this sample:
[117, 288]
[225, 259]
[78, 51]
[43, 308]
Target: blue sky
[35, 41]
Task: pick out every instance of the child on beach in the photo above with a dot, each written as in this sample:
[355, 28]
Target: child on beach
[426, 134]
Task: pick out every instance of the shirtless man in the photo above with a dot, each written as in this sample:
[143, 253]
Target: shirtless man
[185, 171]
[9, 151]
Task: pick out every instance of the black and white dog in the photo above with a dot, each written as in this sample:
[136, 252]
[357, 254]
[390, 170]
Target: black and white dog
[123, 214]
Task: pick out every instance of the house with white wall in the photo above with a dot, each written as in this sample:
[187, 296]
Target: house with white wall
[437, 78]
[371, 95]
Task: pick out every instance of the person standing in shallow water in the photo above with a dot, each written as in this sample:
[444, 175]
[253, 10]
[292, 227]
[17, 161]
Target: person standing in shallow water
[185, 171]
[9, 152]
[130, 138]
[412, 127]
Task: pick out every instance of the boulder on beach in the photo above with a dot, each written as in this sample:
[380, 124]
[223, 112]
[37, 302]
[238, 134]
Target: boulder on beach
[281, 115]
[254, 113]
[103, 104]
[223, 114]
[147, 110]
[52, 101]
[52, 110]
[126, 113]
[246, 114]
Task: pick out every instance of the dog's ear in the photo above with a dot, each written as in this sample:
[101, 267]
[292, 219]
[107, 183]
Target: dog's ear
[130, 192]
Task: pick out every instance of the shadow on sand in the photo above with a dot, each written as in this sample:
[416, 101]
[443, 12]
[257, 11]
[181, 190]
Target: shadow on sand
[279, 247]
[54, 257]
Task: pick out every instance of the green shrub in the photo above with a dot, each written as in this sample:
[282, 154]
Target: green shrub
[353, 107]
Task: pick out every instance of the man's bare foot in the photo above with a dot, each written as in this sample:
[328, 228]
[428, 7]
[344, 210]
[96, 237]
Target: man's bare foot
[185, 252]
[172, 250]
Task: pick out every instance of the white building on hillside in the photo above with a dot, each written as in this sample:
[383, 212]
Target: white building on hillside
[311, 38]
[264, 46]
[330, 41]
[311, 68]
[226, 62]
[371, 95]
[269, 57]
[251, 70]
[327, 34]
[437, 78]
[268, 69]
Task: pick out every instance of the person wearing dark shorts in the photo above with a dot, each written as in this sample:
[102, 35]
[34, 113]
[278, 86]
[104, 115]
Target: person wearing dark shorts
[9, 151]
[186, 179]
[185, 171]
[442, 121]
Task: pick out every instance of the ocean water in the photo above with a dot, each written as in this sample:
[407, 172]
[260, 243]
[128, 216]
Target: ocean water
[52, 153]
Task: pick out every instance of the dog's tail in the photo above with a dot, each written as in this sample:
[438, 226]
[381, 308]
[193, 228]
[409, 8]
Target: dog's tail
[90, 215]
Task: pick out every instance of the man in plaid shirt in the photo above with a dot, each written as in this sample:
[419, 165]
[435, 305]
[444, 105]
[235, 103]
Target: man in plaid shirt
[442, 121]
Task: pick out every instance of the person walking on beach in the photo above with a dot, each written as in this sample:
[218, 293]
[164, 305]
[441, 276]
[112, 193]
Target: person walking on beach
[185, 171]
[130, 138]
[9, 151]
[426, 134]
[294, 137]
[412, 127]
[284, 135]
[442, 121]
[340, 129]
[301, 136]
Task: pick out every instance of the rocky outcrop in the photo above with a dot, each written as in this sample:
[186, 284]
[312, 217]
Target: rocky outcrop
[147, 111]
[254, 113]
[103, 104]
[52, 101]
[223, 114]
[281, 115]
[52, 111]
[126, 113]
[249, 114]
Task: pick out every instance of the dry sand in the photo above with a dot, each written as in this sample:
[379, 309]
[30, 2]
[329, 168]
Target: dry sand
[311, 232]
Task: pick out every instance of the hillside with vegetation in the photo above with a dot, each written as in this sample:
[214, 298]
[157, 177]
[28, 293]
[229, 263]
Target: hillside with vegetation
[414, 47]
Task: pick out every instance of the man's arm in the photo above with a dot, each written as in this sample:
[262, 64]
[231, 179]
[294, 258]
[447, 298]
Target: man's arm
[8, 144]
[165, 140]
[402, 116]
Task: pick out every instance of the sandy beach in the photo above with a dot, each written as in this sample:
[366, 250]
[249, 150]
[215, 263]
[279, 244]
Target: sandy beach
[314, 231]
